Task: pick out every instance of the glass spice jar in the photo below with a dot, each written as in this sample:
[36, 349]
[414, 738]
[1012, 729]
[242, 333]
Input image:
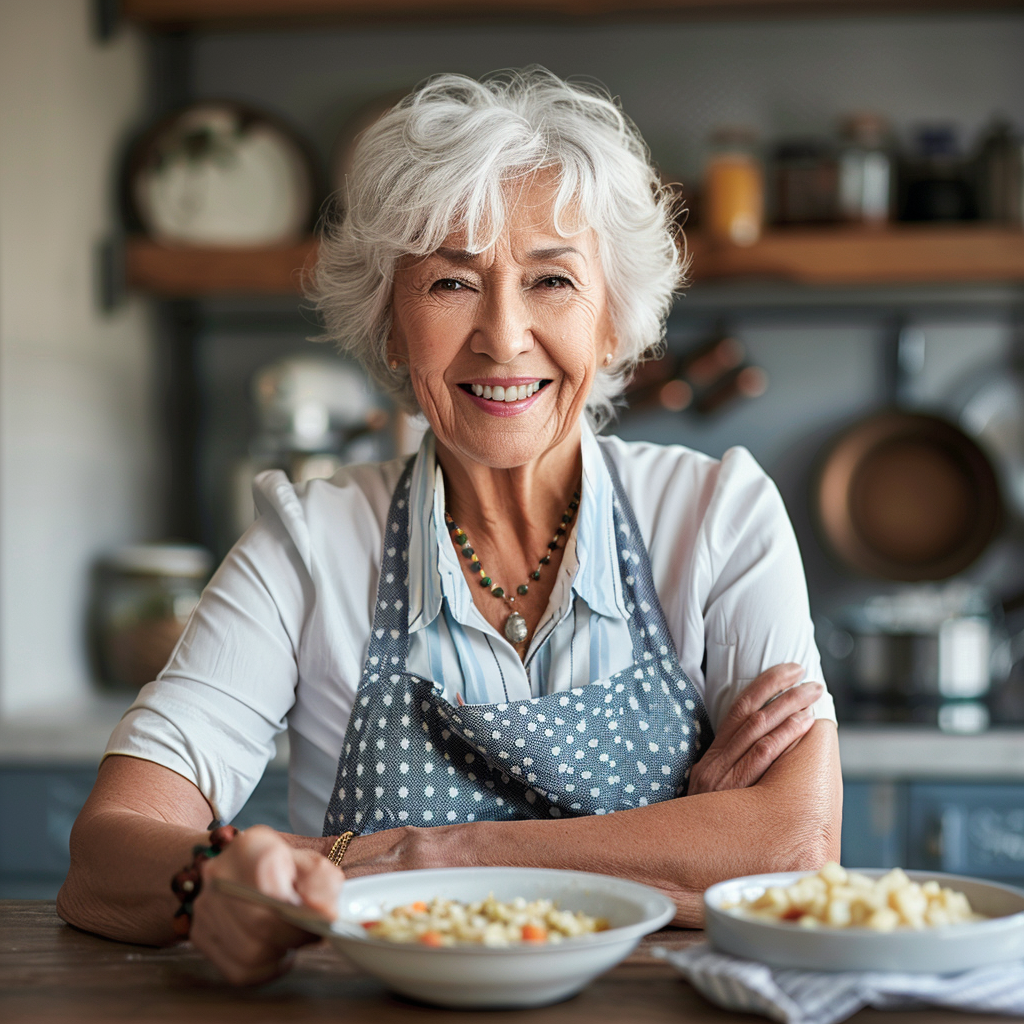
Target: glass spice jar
[937, 186]
[733, 199]
[866, 178]
[143, 597]
[999, 173]
[805, 182]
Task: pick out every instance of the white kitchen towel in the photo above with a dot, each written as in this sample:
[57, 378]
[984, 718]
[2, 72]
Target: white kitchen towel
[815, 997]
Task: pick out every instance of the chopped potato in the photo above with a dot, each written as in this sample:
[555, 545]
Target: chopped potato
[838, 898]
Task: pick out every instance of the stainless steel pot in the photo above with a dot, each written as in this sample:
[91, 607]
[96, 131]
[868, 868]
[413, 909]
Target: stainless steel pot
[924, 654]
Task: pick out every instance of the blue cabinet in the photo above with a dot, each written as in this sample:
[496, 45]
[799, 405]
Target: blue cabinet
[38, 806]
[968, 829]
[874, 818]
[959, 828]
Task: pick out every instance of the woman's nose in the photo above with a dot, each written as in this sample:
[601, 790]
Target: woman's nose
[503, 329]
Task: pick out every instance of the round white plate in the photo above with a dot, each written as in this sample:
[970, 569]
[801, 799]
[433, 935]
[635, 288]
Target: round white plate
[220, 174]
[932, 951]
[484, 976]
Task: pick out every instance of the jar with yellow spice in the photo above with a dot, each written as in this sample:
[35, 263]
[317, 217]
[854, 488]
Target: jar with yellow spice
[733, 200]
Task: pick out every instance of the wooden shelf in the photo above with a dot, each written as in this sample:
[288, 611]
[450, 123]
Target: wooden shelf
[903, 254]
[177, 272]
[227, 13]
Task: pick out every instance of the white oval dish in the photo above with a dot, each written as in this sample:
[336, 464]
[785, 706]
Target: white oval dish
[933, 950]
[511, 976]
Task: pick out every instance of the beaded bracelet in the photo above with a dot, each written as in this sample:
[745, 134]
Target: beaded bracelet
[188, 882]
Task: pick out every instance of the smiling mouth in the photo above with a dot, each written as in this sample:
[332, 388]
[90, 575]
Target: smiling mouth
[507, 395]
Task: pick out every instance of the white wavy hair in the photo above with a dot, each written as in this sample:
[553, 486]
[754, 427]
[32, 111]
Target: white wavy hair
[439, 160]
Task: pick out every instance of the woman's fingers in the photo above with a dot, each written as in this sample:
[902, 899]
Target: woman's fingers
[770, 715]
[763, 753]
[243, 946]
[318, 883]
[250, 944]
[764, 689]
[762, 721]
[738, 766]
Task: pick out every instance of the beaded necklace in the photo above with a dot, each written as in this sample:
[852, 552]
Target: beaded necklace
[515, 628]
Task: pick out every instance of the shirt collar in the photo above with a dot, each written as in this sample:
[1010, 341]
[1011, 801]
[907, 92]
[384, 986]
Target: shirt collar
[426, 504]
[434, 569]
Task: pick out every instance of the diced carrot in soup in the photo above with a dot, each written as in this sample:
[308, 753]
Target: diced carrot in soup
[431, 939]
[533, 933]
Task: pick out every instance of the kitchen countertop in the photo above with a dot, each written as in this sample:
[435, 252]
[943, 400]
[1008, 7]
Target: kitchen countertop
[78, 735]
[75, 736]
[52, 972]
[897, 752]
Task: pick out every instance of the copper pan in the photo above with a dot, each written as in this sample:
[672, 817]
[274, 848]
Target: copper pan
[907, 496]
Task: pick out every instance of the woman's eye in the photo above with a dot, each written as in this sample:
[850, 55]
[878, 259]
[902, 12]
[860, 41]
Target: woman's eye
[448, 284]
[555, 282]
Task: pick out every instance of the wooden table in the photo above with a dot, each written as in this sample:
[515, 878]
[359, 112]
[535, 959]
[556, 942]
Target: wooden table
[53, 974]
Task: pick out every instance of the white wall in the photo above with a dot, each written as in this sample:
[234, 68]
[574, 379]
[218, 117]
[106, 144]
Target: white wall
[77, 466]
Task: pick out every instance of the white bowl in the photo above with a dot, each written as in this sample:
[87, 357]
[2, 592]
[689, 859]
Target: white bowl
[513, 976]
[932, 951]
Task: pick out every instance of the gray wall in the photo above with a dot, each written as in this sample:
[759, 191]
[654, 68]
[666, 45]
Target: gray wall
[677, 80]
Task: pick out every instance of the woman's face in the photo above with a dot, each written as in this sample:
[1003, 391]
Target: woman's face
[527, 317]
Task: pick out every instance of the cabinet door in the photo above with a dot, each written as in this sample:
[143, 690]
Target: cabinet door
[38, 806]
[873, 824]
[968, 829]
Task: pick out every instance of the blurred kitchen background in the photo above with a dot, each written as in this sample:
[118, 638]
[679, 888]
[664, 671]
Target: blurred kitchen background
[854, 187]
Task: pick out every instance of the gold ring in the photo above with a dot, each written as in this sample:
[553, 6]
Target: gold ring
[339, 848]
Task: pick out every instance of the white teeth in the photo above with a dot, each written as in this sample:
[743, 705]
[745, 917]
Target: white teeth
[498, 393]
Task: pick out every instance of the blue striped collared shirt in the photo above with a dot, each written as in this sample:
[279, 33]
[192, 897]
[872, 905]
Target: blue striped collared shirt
[583, 635]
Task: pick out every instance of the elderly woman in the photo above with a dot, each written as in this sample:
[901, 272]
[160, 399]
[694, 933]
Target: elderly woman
[482, 652]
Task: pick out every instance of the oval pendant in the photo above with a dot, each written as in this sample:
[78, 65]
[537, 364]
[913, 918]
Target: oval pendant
[515, 628]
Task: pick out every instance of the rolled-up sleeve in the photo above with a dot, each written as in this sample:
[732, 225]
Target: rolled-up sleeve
[213, 713]
[756, 612]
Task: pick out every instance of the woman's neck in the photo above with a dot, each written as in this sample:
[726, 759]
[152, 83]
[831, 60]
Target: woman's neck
[510, 517]
[522, 502]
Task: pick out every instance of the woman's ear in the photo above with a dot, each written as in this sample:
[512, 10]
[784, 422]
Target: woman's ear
[396, 349]
[611, 350]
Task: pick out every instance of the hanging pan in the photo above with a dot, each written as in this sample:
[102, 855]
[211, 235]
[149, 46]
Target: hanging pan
[905, 495]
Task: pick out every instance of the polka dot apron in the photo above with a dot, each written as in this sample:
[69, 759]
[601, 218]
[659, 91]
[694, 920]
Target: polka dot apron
[411, 758]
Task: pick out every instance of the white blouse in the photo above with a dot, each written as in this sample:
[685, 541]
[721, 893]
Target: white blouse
[281, 634]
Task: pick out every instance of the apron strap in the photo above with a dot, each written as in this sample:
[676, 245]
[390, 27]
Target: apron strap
[637, 575]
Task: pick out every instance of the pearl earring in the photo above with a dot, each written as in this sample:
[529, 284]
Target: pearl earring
[608, 359]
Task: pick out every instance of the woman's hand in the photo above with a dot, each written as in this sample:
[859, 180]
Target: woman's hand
[769, 716]
[249, 944]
